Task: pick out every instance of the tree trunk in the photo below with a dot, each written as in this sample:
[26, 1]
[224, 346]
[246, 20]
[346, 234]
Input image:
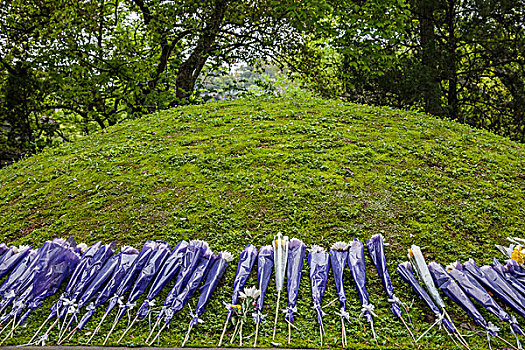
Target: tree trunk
[190, 69]
[452, 61]
[429, 77]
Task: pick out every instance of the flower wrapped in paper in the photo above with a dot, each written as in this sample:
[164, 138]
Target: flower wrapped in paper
[406, 272]
[92, 291]
[294, 268]
[11, 257]
[213, 278]
[205, 261]
[168, 271]
[156, 258]
[452, 290]
[491, 280]
[126, 283]
[376, 250]
[280, 259]
[264, 273]
[475, 290]
[356, 263]
[319, 263]
[53, 267]
[126, 258]
[338, 260]
[244, 268]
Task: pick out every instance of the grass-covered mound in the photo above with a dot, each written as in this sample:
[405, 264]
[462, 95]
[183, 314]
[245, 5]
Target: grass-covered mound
[238, 172]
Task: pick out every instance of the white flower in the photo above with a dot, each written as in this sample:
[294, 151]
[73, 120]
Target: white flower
[316, 249]
[340, 246]
[227, 256]
[82, 247]
[252, 292]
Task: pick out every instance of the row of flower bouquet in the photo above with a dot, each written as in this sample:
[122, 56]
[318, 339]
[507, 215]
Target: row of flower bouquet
[97, 276]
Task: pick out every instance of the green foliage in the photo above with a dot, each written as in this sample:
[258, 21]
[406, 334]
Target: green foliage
[102, 62]
[458, 59]
[237, 172]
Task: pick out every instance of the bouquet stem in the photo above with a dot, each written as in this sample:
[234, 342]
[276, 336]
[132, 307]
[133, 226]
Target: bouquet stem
[223, 331]
[68, 336]
[153, 329]
[234, 333]
[289, 332]
[343, 332]
[240, 335]
[38, 330]
[276, 313]
[111, 330]
[158, 334]
[9, 334]
[256, 334]
[408, 329]
[98, 328]
[187, 335]
[506, 342]
[128, 328]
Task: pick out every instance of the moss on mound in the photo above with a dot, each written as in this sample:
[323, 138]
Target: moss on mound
[237, 172]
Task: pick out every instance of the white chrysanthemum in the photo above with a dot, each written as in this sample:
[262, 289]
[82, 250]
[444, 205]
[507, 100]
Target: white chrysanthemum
[227, 256]
[15, 250]
[252, 292]
[340, 246]
[316, 249]
[23, 248]
[82, 247]
[451, 266]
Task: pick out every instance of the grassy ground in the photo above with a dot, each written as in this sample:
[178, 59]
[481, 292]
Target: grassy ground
[237, 172]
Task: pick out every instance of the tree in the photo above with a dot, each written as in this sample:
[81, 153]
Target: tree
[103, 61]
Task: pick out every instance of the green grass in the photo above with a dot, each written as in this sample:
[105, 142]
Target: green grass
[238, 172]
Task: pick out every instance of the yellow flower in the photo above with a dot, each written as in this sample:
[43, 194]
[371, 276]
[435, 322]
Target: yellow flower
[518, 255]
[236, 307]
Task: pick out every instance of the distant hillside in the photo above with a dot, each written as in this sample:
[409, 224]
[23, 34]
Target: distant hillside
[236, 172]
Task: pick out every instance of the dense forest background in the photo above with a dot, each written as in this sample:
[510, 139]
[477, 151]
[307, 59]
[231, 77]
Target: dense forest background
[69, 67]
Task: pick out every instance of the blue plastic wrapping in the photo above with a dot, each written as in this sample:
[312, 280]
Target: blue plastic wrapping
[159, 253]
[338, 259]
[130, 276]
[294, 268]
[356, 263]
[451, 289]
[516, 270]
[3, 248]
[23, 284]
[127, 257]
[169, 270]
[85, 278]
[10, 259]
[475, 290]
[18, 272]
[507, 276]
[213, 278]
[377, 253]
[319, 263]
[264, 274]
[405, 271]
[501, 291]
[72, 284]
[56, 268]
[205, 261]
[192, 257]
[244, 268]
